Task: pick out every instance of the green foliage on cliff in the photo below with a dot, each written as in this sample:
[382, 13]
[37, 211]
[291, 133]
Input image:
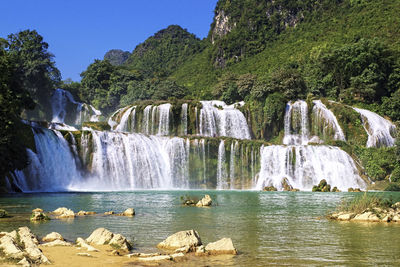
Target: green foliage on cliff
[164, 52]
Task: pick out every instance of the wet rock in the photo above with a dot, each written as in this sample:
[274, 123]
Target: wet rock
[201, 251]
[205, 201]
[185, 249]
[345, 216]
[10, 247]
[177, 256]
[82, 243]
[109, 213]
[286, 185]
[39, 216]
[181, 239]
[52, 236]
[57, 243]
[129, 212]
[366, 216]
[270, 188]
[222, 246]
[143, 255]
[354, 190]
[64, 213]
[323, 186]
[335, 189]
[84, 213]
[155, 258]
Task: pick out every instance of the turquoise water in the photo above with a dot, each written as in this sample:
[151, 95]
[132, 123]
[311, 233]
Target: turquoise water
[281, 228]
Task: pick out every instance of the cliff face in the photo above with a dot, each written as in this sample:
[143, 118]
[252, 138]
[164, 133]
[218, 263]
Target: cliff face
[117, 57]
[242, 28]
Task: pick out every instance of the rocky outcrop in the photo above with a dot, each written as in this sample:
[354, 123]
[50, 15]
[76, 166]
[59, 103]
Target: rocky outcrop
[222, 246]
[30, 243]
[52, 236]
[102, 236]
[375, 214]
[222, 26]
[3, 213]
[354, 190]
[10, 247]
[63, 213]
[206, 201]
[270, 188]
[181, 239]
[109, 213]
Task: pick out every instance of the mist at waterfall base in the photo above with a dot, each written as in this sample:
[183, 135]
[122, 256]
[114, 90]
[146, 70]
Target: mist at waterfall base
[140, 152]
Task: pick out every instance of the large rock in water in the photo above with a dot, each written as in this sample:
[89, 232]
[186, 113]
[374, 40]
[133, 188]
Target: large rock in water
[181, 239]
[205, 201]
[102, 236]
[64, 213]
[222, 246]
[129, 212]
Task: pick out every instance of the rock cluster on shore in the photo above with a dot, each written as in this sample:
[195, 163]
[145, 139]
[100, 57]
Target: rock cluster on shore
[375, 214]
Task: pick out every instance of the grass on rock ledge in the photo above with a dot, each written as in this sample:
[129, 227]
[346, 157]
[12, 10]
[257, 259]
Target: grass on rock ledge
[365, 202]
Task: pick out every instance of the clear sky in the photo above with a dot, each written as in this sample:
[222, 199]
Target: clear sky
[80, 31]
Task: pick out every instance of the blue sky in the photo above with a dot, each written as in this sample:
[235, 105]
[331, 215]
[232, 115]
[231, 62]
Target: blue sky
[80, 31]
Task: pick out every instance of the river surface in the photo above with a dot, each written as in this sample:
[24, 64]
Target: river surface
[267, 228]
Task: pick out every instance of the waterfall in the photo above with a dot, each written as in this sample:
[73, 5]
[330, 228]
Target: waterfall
[234, 146]
[123, 125]
[325, 122]
[221, 171]
[380, 131]
[296, 123]
[163, 119]
[184, 119]
[53, 167]
[219, 119]
[66, 110]
[305, 166]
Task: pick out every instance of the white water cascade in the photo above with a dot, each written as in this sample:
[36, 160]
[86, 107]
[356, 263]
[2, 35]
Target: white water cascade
[380, 131]
[53, 167]
[296, 123]
[222, 175]
[325, 121]
[305, 166]
[66, 110]
[219, 119]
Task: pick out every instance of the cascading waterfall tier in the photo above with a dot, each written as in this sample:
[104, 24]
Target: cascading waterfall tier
[325, 123]
[54, 166]
[66, 110]
[219, 119]
[305, 166]
[296, 123]
[214, 119]
[380, 130]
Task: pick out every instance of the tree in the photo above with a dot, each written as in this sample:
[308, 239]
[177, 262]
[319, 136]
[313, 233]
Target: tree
[35, 69]
[13, 99]
[288, 82]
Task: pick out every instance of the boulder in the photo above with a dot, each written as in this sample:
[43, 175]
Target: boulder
[129, 212]
[345, 216]
[155, 258]
[64, 213]
[10, 247]
[396, 205]
[323, 186]
[335, 189]
[366, 216]
[120, 241]
[82, 243]
[270, 188]
[205, 201]
[100, 236]
[39, 216]
[52, 236]
[109, 213]
[57, 243]
[181, 239]
[222, 246]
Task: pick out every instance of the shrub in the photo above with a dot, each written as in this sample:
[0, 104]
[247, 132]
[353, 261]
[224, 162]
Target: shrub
[361, 203]
[3, 213]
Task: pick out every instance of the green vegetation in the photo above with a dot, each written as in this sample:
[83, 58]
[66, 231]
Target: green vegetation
[323, 186]
[365, 202]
